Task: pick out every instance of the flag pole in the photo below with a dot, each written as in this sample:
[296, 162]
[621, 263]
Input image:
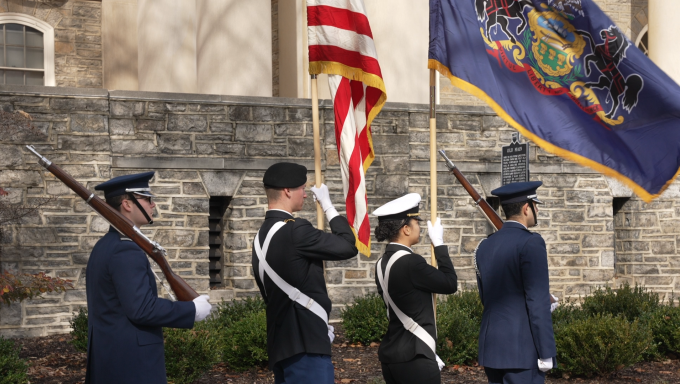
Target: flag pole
[433, 167]
[317, 149]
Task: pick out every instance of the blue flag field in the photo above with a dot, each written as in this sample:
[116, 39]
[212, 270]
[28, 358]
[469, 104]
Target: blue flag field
[563, 74]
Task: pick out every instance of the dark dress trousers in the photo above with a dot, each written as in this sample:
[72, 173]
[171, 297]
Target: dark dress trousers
[126, 316]
[296, 253]
[514, 287]
[412, 282]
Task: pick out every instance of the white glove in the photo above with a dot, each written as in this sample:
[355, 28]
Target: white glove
[331, 335]
[322, 197]
[202, 307]
[553, 306]
[440, 363]
[545, 364]
[436, 232]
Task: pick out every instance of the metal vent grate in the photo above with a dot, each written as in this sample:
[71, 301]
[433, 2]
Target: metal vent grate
[218, 206]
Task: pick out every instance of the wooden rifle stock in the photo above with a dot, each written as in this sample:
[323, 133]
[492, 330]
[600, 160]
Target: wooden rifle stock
[481, 203]
[182, 290]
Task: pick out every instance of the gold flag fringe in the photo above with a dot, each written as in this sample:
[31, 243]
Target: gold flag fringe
[547, 146]
[371, 80]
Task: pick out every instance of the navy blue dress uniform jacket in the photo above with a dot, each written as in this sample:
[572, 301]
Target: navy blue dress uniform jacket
[296, 253]
[126, 316]
[514, 287]
[412, 283]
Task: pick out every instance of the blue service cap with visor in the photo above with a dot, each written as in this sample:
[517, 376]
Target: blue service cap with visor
[137, 183]
[518, 192]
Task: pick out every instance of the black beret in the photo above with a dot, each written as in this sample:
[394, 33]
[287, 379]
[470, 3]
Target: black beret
[285, 175]
[137, 183]
[518, 192]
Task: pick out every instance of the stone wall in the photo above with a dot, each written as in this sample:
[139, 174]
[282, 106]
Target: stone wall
[207, 146]
[77, 35]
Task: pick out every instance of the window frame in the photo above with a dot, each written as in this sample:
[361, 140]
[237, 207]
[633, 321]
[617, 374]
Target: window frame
[48, 40]
[638, 40]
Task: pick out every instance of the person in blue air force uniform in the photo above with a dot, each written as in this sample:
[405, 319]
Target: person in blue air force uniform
[516, 341]
[406, 283]
[125, 314]
[288, 255]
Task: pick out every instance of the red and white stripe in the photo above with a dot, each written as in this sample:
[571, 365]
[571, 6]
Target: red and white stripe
[341, 45]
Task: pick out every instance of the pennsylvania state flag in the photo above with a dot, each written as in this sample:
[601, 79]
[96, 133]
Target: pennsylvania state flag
[561, 73]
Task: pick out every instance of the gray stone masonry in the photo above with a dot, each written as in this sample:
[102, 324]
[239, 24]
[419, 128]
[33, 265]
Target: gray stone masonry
[211, 145]
[77, 37]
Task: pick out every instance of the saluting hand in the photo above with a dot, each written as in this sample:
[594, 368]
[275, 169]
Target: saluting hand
[436, 232]
[202, 307]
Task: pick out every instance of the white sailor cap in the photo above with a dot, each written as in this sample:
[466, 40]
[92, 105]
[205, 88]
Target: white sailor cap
[401, 208]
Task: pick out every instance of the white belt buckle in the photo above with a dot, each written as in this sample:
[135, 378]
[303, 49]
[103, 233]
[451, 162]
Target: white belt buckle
[413, 326]
[295, 295]
[309, 303]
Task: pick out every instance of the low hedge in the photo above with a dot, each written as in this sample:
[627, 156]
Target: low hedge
[458, 320]
[190, 352]
[79, 330]
[245, 342]
[365, 320]
[13, 369]
[601, 344]
[629, 302]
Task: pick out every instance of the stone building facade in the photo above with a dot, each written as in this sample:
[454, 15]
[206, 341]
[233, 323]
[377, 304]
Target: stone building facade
[77, 37]
[210, 153]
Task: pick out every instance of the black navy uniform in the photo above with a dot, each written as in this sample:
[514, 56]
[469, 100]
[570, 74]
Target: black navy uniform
[412, 282]
[296, 253]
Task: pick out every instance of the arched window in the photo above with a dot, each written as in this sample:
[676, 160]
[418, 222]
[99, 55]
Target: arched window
[26, 50]
[641, 41]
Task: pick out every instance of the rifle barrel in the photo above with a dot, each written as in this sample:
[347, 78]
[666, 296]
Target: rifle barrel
[182, 290]
[483, 205]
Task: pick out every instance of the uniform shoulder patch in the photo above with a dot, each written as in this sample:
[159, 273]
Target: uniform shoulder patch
[289, 221]
[123, 238]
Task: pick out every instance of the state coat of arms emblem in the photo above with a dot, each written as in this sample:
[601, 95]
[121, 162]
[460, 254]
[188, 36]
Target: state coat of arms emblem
[538, 37]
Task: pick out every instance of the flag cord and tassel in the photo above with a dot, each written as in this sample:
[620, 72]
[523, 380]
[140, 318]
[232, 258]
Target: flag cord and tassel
[320, 218]
[433, 169]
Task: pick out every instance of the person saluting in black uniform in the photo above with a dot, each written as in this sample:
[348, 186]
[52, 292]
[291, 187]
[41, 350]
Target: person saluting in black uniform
[288, 255]
[406, 283]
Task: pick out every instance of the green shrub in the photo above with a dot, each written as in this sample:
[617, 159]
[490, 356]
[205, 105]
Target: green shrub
[228, 313]
[245, 342]
[600, 345]
[630, 302]
[458, 321]
[79, 330]
[665, 326]
[12, 368]
[190, 352]
[365, 320]
[567, 312]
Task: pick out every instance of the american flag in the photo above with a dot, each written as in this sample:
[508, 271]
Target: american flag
[341, 45]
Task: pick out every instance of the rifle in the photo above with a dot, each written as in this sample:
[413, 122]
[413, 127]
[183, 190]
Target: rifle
[182, 290]
[482, 204]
